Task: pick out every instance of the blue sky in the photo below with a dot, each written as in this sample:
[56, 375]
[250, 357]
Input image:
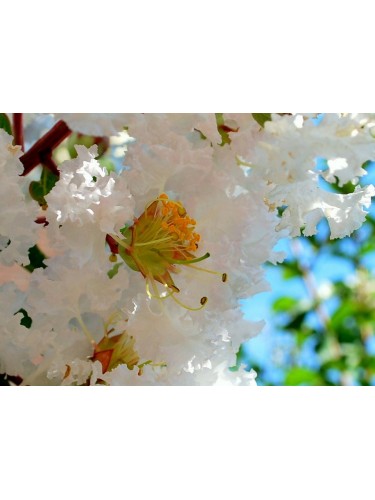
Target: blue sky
[270, 348]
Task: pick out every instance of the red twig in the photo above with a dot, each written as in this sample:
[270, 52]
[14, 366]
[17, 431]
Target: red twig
[42, 149]
[18, 130]
[47, 161]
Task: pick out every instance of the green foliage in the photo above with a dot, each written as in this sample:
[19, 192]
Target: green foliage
[107, 163]
[26, 321]
[225, 139]
[5, 123]
[224, 129]
[284, 304]
[39, 189]
[112, 272]
[290, 270]
[36, 258]
[261, 118]
[303, 376]
[86, 140]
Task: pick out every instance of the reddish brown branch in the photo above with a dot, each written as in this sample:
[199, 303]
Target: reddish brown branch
[18, 130]
[47, 161]
[42, 149]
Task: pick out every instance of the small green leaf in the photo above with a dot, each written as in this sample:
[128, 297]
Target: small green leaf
[87, 141]
[296, 322]
[107, 163]
[201, 134]
[26, 321]
[284, 304]
[36, 258]
[39, 189]
[302, 376]
[112, 272]
[5, 123]
[262, 118]
[291, 270]
[224, 129]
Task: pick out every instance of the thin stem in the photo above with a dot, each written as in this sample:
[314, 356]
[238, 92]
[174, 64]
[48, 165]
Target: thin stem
[18, 130]
[44, 146]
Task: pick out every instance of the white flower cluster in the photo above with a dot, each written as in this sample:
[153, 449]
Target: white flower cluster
[286, 157]
[193, 218]
[17, 231]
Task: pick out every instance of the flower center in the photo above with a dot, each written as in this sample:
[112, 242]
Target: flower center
[161, 239]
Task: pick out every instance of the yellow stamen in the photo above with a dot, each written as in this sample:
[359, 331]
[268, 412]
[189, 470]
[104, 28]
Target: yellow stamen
[159, 241]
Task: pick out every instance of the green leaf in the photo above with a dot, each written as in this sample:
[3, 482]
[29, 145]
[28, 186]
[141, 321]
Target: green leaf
[112, 272]
[225, 139]
[369, 363]
[26, 321]
[107, 163]
[302, 335]
[284, 304]
[201, 134]
[224, 129]
[296, 322]
[262, 118]
[291, 270]
[367, 247]
[87, 141]
[302, 376]
[5, 123]
[39, 189]
[36, 258]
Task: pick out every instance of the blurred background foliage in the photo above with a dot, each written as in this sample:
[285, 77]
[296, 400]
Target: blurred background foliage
[321, 313]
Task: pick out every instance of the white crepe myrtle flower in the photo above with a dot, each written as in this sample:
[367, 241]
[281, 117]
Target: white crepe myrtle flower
[345, 140]
[76, 372]
[166, 144]
[19, 348]
[286, 158]
[95, 124]
[308, 205]
[15, 274]
[86, 193]
[235, 233]
[67, 312]
[86, 204]
[62, 292]
[159, 375]
[17, 227]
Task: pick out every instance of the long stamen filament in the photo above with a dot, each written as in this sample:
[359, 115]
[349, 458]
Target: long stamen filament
[183, 262]
[205, 270]
[203, 303]
[121, 242]
[85, 330]
[156, 294]
[153, 242]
